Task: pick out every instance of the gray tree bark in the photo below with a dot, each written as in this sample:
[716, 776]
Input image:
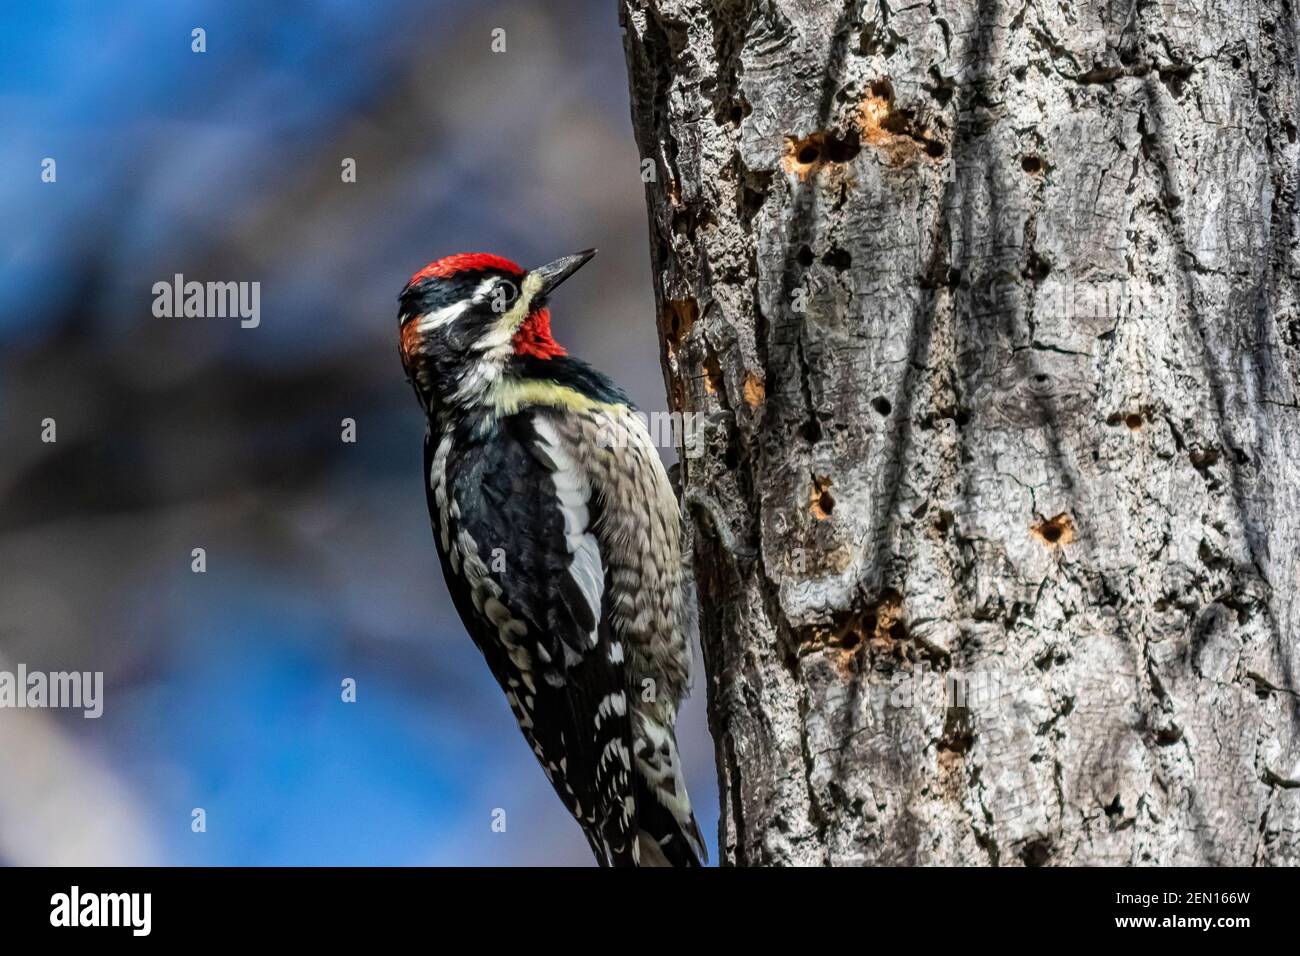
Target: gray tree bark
[991, 311]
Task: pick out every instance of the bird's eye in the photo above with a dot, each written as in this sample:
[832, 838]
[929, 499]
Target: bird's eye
[504, 295]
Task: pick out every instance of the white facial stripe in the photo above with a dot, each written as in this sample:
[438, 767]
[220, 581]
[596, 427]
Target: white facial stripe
[450, 313]
[484, 290]
[440, 317]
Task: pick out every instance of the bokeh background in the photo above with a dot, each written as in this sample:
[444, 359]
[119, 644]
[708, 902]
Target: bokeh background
[223, 688]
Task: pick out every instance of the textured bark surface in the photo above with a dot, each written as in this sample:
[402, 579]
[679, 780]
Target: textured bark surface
[991, 309]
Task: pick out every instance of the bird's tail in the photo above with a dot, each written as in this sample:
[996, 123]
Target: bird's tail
[668, 834]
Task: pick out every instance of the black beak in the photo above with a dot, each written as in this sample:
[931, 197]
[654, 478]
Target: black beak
[553, 273]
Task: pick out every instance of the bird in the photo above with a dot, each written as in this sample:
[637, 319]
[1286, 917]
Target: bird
[560, 540]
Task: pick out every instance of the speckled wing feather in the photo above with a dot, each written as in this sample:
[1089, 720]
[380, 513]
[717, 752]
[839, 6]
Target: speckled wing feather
[513, 526]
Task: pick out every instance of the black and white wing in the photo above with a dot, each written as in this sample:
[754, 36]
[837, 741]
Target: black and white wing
[514, 519]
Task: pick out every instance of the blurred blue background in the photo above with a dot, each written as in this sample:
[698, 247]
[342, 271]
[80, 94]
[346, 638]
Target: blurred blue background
[223, 688]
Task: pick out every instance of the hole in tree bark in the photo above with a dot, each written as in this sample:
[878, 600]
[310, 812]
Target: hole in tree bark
[680, 316]
[958, 734]
[1169, 735]
[807, 155]
[1036, 268]
[821, 502]
[883, 621]
[753, 194]
[1036, 853]
[1203, 459]
[942, 88]
[1054, 531]
[893, 130]
[881, 405]
[714, 383]
[838, 259]
[841, 149]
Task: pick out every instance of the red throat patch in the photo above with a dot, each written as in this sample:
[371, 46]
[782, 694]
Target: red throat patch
[533, 337]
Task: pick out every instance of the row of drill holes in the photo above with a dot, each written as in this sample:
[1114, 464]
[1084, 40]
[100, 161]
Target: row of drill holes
[810, 153]
[837, 258]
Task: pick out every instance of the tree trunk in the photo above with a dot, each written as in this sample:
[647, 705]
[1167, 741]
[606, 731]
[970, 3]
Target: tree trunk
[991, 312]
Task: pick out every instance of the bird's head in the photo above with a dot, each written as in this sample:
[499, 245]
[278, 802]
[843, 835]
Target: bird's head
[466, 318]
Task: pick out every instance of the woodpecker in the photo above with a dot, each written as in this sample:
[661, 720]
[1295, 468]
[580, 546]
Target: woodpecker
[560, 541]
